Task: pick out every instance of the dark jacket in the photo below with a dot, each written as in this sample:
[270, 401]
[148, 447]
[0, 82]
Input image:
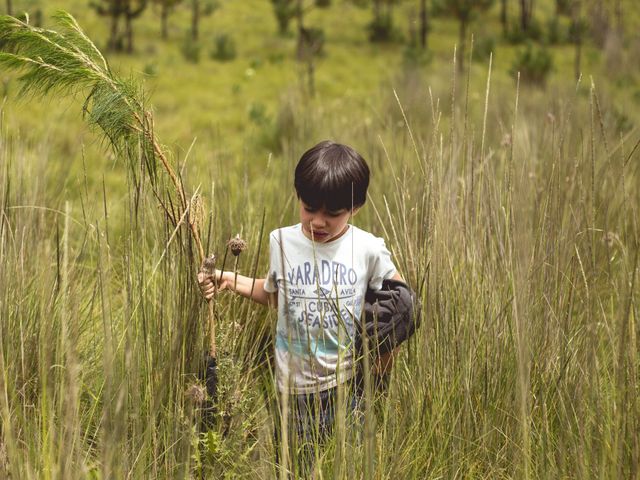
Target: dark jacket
[391, 316]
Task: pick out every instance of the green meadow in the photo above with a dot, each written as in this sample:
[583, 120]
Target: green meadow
[512, 209]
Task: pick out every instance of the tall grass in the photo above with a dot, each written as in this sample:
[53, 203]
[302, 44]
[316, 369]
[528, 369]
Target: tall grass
[513, 215]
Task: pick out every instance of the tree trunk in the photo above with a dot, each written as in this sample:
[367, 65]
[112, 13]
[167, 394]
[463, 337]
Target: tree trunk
[113, 31]
[9, 8]
[300, 17]
[577, 39]
[424, 24]
[195, 18]
[129, 33]
[525, 13]
[301, 47]
[37, 18]
[164, 20]
[619, 18]
[376, 9]
[311, 69]
[503, 17]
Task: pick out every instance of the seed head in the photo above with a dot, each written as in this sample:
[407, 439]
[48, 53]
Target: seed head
[610, 239]
[237, 245]
[196, 212]
[209, 265]
[196, 394]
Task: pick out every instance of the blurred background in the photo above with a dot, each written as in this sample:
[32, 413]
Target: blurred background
[229, 79]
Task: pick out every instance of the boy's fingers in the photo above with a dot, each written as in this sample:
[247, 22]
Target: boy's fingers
[204, 279]
[211, 283]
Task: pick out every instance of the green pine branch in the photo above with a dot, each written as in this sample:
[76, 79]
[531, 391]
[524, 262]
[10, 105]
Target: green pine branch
[68, 62]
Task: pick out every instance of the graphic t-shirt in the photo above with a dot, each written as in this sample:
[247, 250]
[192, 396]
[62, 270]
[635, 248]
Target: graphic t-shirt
[321, 289]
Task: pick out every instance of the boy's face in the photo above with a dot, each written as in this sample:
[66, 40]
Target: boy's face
[322, 225]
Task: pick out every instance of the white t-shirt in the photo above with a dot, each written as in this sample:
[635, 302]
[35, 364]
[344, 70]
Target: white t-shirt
[321, 289]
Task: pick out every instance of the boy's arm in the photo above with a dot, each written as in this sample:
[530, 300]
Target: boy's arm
[246, 286]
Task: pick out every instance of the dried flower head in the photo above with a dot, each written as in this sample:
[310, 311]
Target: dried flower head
[209, 265]
[196, 211]
[610, 239]
[506, 140]
[237, 245]
[196, 393]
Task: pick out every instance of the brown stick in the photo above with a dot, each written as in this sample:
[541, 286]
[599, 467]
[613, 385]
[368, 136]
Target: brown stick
[209, 268]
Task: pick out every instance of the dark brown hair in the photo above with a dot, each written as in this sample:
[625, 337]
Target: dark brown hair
[333, 176]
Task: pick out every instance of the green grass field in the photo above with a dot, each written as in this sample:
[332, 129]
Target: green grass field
[512, 211]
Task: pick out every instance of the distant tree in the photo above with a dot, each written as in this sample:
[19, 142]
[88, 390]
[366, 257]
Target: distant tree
[465, 11]
[599, 22]
[285, 11]
[619, 17]
[504, 17]
[132, 11]
[424, 23]
[198, 10]
[381, 26]
[166, 8]
[9, 8]
[195, 19]
[526, 14]
[563, 7]
[576, 33]
[111, 9]
[310, 44]
[115, 10]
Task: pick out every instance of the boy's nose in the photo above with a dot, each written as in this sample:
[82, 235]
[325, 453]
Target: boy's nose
[318, 222]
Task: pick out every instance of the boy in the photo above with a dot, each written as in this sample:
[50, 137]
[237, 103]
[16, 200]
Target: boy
[319, 272]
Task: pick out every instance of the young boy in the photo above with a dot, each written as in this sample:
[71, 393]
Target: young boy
[319, 272]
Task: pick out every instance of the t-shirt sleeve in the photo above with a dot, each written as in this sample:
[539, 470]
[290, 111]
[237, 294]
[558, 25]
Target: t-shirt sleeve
[270, 284]
[380, 266]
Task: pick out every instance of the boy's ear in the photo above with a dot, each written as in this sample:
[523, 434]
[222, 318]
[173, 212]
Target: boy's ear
[354, 211]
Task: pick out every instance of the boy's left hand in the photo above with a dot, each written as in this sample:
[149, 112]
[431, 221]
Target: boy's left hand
[206, 282]
[211, 283]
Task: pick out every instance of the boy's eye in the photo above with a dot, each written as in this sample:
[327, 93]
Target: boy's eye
[331, 213]
[335, 213]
